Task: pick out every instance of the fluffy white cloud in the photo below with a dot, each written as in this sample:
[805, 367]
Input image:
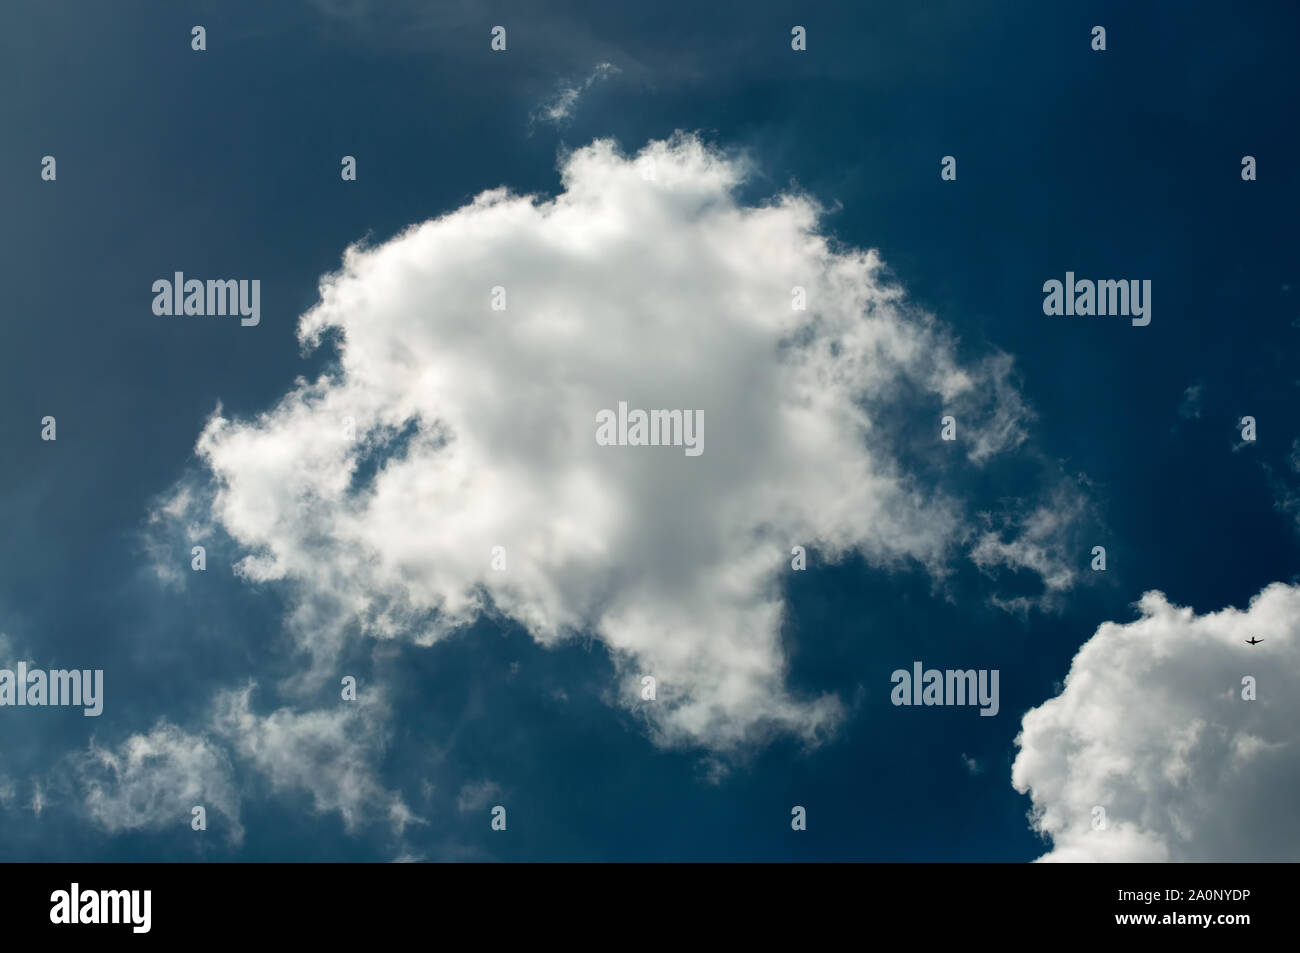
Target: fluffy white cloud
[1152, 727]
[377, 492]
[152, 781]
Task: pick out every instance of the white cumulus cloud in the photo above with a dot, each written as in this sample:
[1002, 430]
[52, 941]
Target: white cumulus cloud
[377, 492]
[1152, 727]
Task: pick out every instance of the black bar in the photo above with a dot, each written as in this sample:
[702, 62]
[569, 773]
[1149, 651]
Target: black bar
[338, 902]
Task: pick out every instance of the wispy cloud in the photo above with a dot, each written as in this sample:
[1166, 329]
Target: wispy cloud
[560, 105]
[1190, 408]
[477, 795]
[153, 780]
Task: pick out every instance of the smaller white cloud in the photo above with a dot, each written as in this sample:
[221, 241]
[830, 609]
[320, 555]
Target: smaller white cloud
[331, 753]
[1042, 542]
[560, 105]
[1154, 727]
[972, 766]
[176, 524]
[152, 781]
[1190, 408]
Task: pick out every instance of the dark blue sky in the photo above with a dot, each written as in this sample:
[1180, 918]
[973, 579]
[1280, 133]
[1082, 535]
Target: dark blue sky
[1122, 163]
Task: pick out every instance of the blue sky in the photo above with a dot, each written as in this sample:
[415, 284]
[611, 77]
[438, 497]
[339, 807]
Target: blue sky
[225, 163]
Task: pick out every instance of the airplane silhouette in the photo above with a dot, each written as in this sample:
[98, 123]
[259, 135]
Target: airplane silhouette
[1253, 641]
